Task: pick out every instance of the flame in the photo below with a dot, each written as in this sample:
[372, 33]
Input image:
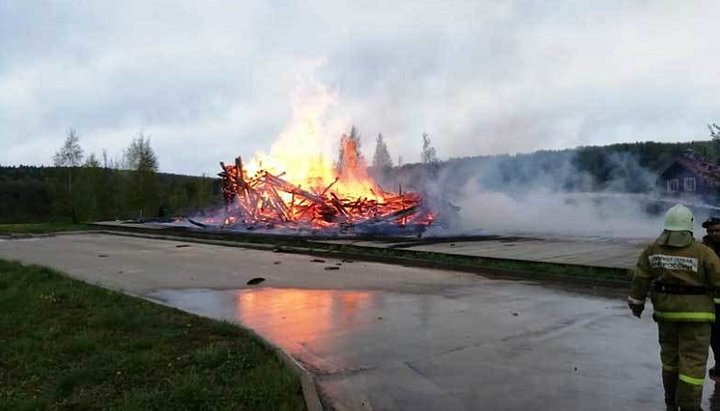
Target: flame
[301, 152]
[297, 186]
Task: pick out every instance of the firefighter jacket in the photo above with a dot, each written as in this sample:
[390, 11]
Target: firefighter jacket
[712, 244]
[715, 246]
[686, 272]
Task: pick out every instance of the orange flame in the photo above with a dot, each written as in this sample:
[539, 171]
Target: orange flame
[300, 154]
[297, 186]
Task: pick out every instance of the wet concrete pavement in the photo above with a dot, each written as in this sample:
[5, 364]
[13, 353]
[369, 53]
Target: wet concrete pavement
[141, 265]
[493, 345]
[388, 337]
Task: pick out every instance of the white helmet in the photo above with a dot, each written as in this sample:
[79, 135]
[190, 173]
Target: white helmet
[679, 218]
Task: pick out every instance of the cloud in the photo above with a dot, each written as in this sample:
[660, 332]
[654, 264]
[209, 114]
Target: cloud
[215, 79]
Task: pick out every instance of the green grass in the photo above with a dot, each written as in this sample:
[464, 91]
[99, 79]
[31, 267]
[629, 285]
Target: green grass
[68, 345]
[36, 228]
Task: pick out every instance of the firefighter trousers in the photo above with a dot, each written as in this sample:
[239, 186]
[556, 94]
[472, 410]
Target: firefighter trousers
[684, 353]
[715, 338]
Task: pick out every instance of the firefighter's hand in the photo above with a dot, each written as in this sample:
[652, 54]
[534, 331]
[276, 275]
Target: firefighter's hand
[636, 309]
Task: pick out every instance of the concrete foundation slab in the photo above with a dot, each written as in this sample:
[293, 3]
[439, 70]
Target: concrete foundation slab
[589, 251]
[613, 253]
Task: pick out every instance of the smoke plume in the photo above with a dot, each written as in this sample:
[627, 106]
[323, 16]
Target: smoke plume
[547, 193]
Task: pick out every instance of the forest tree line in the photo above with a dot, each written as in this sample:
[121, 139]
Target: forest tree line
[87, 188]
[624, 168]
[82, 188]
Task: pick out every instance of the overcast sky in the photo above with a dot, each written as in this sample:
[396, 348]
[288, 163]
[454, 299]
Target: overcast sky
[209, 80]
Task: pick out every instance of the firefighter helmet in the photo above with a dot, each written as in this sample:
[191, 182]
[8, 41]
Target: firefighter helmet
[679, 218]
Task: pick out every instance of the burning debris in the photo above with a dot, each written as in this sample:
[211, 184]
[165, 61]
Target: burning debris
[267, 200]
[341, 200]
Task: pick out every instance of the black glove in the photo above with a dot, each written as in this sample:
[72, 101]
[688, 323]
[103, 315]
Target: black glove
[636, 309]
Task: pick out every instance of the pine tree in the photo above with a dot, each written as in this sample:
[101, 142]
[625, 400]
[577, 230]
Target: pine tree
[381, 159]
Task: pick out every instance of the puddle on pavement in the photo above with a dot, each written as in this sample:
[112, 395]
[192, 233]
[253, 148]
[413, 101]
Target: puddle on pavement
[287, 317]
[336, 332]
[340, 326]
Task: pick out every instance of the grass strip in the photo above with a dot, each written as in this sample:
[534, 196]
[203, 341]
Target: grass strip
[39, 228]
[65, 344]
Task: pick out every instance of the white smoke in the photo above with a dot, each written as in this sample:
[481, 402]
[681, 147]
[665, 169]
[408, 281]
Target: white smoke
[546, 212]
[546, 194]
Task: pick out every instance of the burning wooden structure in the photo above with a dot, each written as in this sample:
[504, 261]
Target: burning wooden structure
[266, 200]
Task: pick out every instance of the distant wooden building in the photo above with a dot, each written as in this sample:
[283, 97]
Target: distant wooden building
[691, 176]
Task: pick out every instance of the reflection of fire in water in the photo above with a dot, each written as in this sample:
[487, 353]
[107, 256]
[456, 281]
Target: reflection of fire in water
[292, 316]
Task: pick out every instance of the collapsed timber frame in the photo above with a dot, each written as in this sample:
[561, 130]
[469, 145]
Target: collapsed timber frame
[268, 201]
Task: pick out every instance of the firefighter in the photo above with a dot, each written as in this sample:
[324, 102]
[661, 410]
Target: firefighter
[712, 240]
[679, 272]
